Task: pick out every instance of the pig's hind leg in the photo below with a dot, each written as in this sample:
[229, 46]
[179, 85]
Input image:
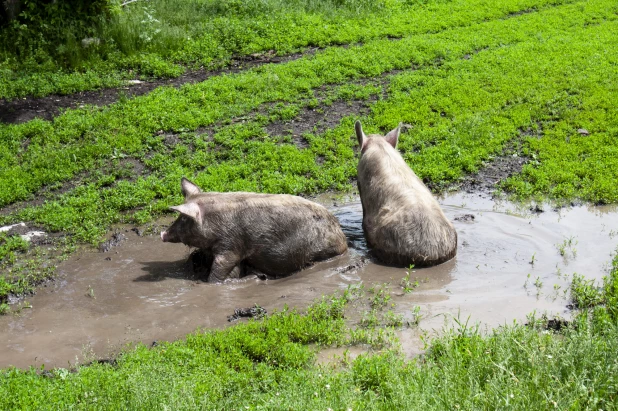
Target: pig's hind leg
[225, 265]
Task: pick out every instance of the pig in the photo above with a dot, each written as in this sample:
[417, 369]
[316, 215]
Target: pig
[276, 234]
[402, 221]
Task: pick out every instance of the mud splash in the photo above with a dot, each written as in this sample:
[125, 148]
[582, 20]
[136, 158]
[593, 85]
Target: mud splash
[144, 290]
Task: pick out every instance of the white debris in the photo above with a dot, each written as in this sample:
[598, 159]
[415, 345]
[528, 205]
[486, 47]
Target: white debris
[583, 131]
[28, 236]
[9, 227]
[90, 41]
[134, 81]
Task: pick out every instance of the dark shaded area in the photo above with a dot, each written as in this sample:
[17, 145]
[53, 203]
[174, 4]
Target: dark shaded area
[251, 312]
[116, 239]
[554, 324]
[350, 218]
[160, 270]
[194, 268]
[200, 262]
[104, 361]
[9, 9]
[468, 218]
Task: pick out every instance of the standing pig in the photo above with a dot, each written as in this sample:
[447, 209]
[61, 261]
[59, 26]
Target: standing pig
[275, 233]
[402, 221]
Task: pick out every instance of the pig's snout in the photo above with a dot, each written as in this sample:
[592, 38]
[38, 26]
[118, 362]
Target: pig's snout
[169, 237]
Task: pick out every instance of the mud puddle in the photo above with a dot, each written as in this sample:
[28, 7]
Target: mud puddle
[144, 290]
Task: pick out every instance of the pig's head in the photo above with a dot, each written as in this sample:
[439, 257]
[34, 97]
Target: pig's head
[375, 140]
[187, 227]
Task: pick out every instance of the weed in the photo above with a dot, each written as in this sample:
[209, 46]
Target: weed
[567, 244]
[407, 285]
[381, 297]
[370, 319]
[160, 39]
[354, 292]
[392, 319]
[584, 292]
[416, 316]
[538, 283]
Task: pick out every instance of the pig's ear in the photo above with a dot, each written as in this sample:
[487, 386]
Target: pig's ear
[360, 135]
[191, 210]
[393, 136]
[188, 188]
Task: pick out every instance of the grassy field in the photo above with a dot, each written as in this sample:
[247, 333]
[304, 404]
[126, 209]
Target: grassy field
[270, 364]
[159, 38]
[470, 80]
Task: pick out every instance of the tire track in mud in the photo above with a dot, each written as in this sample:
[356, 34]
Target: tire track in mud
[22, 110]
[25, 109]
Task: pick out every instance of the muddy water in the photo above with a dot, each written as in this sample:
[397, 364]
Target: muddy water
[142, 290]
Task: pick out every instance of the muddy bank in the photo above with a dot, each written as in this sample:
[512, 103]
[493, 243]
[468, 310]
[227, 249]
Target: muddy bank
[144, 290]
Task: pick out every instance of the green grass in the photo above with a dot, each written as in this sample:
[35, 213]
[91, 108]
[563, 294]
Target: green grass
[465, 92]
[468, 78]
[160, 38]
[270, 364]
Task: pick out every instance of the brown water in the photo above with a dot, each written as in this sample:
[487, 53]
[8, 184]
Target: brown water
[144, 292]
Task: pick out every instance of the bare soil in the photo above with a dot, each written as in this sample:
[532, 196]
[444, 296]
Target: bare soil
[494, 172]
[318, 120]
[501, 167]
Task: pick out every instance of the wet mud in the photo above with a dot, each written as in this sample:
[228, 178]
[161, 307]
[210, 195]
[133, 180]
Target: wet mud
[510, 263]
[501, 167]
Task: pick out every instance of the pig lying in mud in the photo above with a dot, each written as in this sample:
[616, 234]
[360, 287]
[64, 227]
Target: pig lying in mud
[402, 221]
[276, 234]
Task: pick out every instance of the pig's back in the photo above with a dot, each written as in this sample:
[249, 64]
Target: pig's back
[403, 222]
[414, 235]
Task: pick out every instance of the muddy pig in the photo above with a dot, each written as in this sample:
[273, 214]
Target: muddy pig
[402, 221]
[276, 234]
